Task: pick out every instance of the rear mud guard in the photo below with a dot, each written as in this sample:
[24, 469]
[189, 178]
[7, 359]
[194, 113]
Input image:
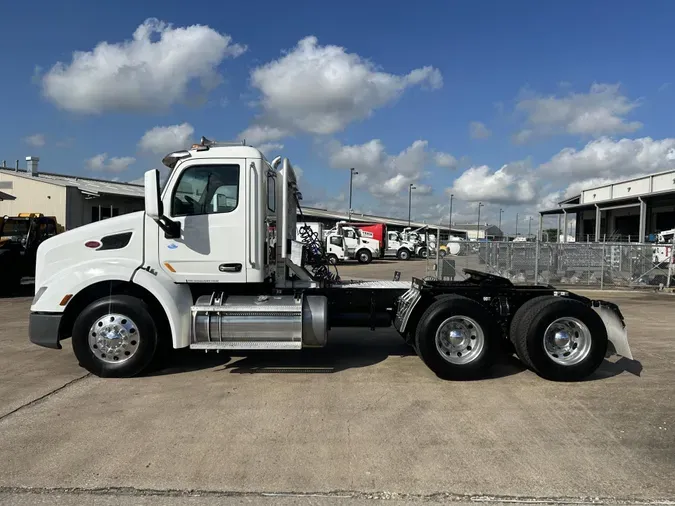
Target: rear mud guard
[616, 330]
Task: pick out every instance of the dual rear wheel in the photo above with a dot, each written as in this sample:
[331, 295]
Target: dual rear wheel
[560, 339]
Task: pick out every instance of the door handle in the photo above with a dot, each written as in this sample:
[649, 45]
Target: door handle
[229, 267]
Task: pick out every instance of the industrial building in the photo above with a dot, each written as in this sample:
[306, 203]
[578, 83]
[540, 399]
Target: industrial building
[631, 210]
[72, 200]
[475, 232]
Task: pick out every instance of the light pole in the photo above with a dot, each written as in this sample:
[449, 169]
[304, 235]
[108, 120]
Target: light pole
[351, 179]
[516, 224]
[501, 211]
[411, 187]
[452, 195]
[529, 228]
[480, 204]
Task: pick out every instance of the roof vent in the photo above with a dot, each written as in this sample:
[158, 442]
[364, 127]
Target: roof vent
[32, 165]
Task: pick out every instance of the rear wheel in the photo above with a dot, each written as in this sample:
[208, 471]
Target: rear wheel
[364, 256]
[560, 339]
[423, 253]
[456, 338]
[403, 254]
[115, 337]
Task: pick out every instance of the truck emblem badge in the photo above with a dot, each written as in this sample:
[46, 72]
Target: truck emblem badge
[173, 245]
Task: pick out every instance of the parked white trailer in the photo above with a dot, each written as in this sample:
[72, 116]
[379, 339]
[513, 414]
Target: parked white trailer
[210, 273]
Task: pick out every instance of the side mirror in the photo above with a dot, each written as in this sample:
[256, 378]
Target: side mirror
[153, 204]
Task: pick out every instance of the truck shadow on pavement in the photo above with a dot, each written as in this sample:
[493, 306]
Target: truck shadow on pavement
[350, 349]
[344, 353]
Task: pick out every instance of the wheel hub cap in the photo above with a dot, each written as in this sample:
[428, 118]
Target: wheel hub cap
[113, 338]
[567, 341]
[460, 340]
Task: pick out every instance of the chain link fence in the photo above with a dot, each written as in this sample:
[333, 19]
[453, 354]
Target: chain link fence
[595, 264]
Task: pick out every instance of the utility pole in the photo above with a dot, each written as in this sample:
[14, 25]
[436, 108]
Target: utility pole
[411, 187]
[480, 204]
[351, 179]
[501, 211]
[516, 224]
[452, 195]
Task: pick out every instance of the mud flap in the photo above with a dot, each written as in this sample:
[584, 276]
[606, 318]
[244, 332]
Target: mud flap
[616, 332]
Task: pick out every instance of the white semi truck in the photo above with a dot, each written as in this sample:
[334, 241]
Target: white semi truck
[358, 247]
[212, 263]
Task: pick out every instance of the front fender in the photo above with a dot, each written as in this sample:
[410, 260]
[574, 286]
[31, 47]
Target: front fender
[175, 299]
[75, 278]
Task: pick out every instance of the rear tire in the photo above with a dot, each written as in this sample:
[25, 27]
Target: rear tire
[456, 337]
[126, 342]
[560, 339]
[403, 254]
[423, 253]
[364, 256]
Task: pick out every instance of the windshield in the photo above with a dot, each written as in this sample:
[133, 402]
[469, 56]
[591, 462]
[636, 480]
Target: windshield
[14, 227]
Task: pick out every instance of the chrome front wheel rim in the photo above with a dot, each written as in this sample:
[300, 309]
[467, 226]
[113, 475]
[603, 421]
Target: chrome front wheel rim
[460, 340]
[114, 338]
[567, 341]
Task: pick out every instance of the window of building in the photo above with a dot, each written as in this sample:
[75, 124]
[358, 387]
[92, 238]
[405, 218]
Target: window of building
[206, 189]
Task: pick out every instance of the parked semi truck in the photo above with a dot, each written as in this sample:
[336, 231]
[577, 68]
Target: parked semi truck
[390, 242]
[194, 270]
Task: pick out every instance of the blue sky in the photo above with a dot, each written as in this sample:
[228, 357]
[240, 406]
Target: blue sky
[540, 77]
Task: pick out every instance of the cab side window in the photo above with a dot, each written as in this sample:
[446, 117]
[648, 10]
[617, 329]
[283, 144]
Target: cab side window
[206, 189]
[336, 240]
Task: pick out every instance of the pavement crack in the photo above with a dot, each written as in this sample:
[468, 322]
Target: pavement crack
[439, 497]
[43, 397]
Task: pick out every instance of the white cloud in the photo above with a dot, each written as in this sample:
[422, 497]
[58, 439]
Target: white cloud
[509, 185]
[35, 140]
[151, 71]
[162, 140]
[606, 158]
[445, 160]
[260, 134]
[321, 89]
[381, 173]
[270, 149]
[601, 111]
[101, 162]
[478, 130]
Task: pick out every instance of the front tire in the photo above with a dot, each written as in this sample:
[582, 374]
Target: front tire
[560, 339]
[115, 337]
[456, 338]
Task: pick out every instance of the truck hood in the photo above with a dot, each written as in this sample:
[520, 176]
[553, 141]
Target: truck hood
[65, 249]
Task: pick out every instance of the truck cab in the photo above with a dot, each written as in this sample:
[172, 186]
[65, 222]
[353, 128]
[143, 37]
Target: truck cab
[398, 247]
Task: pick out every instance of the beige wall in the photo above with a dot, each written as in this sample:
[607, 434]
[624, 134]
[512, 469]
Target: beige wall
[34, 196]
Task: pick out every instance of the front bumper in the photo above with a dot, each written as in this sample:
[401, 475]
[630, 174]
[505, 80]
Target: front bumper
[43, 329]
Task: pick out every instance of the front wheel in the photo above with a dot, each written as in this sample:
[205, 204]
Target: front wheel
[456, 338]
[115, 337]
[560, 339]
[364, 256]
[332, 259]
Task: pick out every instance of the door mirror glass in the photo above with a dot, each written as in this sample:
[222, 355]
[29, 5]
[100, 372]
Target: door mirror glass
[153, 206]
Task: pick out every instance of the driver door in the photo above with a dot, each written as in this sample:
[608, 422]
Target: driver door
[208, 199]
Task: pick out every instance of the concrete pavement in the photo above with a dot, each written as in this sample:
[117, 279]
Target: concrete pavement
[360, 419]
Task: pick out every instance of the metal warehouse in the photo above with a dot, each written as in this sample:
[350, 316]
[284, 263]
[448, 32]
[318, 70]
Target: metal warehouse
[629, 210]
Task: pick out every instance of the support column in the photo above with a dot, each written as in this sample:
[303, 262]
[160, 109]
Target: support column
[597, 223]
[643, 221]
[565, 228]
